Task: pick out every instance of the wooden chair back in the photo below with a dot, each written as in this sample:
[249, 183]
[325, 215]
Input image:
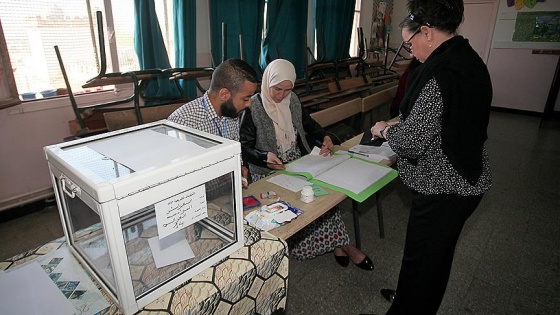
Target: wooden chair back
[334, 114]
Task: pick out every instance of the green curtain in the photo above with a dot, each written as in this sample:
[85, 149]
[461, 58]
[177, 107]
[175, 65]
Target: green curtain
[334, 21]
[184, 26]
[243, 17]
[286, 30]
[151, 52]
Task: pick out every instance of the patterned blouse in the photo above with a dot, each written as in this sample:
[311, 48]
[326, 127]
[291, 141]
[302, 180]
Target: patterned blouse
[422, 164]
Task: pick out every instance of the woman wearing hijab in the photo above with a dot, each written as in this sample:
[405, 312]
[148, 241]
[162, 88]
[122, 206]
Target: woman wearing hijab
[274, 131]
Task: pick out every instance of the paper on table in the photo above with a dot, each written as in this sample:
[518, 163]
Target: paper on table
[170, 250]
[282, 216]
[292, 183]
[368, 173]
[29, 290]
[375, 153]
[315, 164]
[73, 281]
[136, 149]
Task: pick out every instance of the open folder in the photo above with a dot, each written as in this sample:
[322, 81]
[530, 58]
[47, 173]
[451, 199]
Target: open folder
[357, 178]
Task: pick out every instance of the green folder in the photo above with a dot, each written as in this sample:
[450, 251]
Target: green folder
[364, 194]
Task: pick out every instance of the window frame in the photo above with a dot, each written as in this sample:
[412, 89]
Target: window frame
[7, 80]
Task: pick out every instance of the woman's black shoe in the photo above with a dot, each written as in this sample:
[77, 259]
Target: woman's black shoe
[366, 264]
[342, 260]
[388, 294]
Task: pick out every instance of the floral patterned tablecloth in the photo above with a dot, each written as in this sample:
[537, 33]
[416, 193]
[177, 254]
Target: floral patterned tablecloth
[252, 280]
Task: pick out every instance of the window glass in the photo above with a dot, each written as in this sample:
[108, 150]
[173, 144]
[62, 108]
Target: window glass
[33, 28]
[354, 41]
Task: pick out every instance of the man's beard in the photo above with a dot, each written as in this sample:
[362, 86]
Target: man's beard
[228, 110]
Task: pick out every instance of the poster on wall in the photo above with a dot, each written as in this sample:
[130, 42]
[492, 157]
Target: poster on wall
[8, 91]
[541, 26]
[380, 23]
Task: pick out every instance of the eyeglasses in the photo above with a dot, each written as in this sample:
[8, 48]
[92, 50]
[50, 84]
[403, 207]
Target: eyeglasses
[407, 44]
[414, 18]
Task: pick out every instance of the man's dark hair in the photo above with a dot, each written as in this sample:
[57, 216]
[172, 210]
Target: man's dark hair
[232, 74]
[445, 15]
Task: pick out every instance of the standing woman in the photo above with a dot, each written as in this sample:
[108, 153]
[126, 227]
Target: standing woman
[440, 146]
[275, 131]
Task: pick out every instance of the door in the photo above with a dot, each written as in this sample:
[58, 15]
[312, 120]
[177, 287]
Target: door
[478, 26]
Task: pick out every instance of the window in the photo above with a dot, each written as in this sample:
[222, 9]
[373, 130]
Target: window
[354, 50]
[33, 28]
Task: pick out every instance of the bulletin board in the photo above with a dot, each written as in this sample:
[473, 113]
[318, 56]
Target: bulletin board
[380, 23]
[540, 26]
[8, 90]
[518, 26]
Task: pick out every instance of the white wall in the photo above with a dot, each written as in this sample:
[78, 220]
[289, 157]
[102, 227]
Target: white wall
[521, 80]
[24, 130]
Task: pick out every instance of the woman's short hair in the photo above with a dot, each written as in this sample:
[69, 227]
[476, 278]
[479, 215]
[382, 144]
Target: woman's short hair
[232, 74]
[444, 15]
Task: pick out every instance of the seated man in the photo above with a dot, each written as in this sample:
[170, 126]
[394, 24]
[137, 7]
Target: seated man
[218, 111]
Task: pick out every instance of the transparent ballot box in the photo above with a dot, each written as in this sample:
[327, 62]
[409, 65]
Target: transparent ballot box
[146, 208]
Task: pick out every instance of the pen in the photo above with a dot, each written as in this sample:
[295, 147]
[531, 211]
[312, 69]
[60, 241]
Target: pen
[354, 152]
[273, 163]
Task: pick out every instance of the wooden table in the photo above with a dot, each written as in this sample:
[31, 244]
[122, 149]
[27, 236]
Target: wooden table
[346, 145]
[316, 208]
[311, 211]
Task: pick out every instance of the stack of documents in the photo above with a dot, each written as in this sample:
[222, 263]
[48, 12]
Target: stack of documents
[272, 215]
[382, 152]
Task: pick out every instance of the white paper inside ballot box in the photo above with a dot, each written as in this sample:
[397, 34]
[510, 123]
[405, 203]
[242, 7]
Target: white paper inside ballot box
[135, 149]
[178, 212]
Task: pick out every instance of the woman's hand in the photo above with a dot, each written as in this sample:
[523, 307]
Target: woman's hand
[273, 162]
[378, 128]
[327, 147]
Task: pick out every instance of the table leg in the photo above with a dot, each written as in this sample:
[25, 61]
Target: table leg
[356, 214]
[380, 215]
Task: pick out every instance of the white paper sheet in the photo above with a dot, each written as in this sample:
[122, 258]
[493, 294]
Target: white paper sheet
[354, 175]
[178, 212]
[315, 164]
[73, 281]
[376, 153]
[170, 250]
[283, 216]
[28, 290]
[292, 183]
[144, 149]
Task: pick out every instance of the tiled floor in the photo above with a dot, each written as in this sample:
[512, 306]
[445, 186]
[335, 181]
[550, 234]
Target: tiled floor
[507, 260]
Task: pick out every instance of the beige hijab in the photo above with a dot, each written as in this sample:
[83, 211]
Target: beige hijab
[277, 71]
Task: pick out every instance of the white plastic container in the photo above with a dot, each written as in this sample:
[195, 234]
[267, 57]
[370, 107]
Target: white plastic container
[111, 190]
[307, 194]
